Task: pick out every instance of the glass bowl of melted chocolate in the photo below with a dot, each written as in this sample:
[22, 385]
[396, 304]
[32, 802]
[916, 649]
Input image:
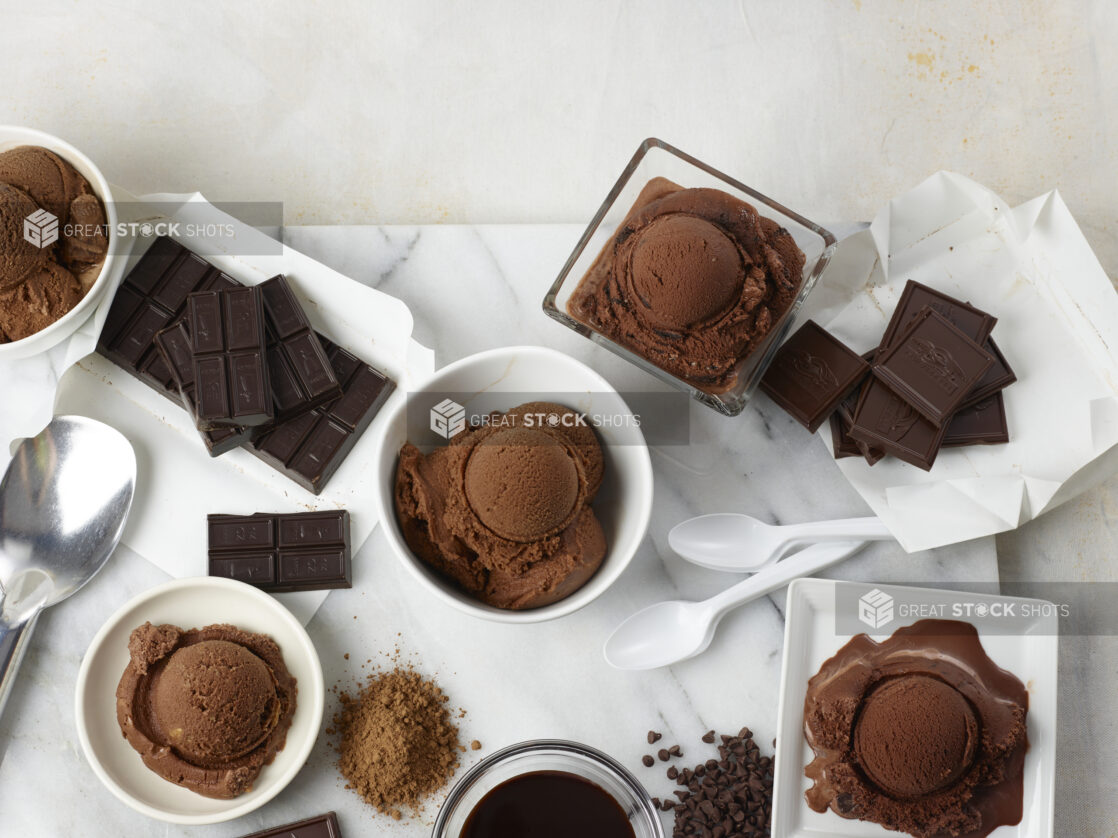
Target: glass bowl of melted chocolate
[548, 789]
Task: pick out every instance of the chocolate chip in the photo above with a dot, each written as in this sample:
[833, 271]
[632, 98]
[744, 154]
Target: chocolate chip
[648, 761]
[653, 737]
[663, 754]
[728, 797]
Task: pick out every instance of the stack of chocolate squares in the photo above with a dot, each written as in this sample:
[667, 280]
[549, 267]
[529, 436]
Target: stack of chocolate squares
[934, 381]
[244, 361]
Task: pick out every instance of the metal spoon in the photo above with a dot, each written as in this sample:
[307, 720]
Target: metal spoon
[63, 503]
[672, 631]
[741, 544]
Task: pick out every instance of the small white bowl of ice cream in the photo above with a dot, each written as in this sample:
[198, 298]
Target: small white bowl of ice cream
[57, 240]
[515, 484]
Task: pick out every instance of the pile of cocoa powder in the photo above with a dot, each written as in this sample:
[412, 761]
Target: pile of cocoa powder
[396, 741]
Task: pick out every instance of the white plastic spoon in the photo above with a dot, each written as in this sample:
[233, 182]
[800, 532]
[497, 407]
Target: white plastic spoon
[740, 544]
[672, 631]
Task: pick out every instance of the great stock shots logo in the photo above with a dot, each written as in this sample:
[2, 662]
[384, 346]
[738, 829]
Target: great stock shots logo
[448, 418]
[40, 229]
[875, 609]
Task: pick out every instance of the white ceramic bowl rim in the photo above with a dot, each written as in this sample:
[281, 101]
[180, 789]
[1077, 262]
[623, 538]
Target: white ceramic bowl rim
[598, 583]
[16, 135]
[311, 700]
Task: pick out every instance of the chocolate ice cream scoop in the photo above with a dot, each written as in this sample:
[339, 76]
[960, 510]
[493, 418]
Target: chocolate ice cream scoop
[915, 735]
[45, 296]
[206, 708]
[922, 733]
[693, 280]
[684, 270]
[51, 182]
[214, 700]
[523, 484]
[504, 509]
[19, 259]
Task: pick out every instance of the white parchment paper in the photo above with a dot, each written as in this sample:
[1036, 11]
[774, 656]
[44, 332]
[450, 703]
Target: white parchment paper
[1057, 311]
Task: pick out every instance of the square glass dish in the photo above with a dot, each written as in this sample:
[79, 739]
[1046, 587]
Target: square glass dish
[656, 159]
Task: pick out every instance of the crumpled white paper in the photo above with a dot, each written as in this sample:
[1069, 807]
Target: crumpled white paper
[1057, 311]
[178, 482]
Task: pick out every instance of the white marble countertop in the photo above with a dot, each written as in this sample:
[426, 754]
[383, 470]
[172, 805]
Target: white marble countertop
[384, 112]
[471, 288]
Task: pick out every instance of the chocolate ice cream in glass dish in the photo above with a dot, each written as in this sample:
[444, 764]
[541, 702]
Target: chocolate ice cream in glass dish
[691, 275]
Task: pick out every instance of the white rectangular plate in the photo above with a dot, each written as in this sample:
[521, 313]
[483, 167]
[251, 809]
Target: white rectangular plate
[810, 639]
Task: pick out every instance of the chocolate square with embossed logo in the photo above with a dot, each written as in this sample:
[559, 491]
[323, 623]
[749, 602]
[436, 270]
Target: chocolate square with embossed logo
[933, 366]
[305, 551]
[983, 423]
[322, 826]
[811, 373]
[885, 421]
[972, 322]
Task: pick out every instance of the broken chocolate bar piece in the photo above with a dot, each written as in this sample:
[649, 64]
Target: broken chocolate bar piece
[322, 826]
[174, 348]
[231, 381]
[301, 375]
[885, 421]
[811, 373]
[305, 551]
[311, 447]
[980, 424]
[932, 366]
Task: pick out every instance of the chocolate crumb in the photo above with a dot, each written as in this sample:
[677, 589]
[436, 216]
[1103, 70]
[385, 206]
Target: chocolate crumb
[475, 745]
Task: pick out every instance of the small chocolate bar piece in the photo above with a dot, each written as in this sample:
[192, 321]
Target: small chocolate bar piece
[306, 551]
[811, 373]
[972, 322]
[994, 380]
[841, 441]
[227, 337]
[311, 447]
[323, 826]
[887, 422]
[151, 298]
[932, 366]
[174, 348]
[980, 424]
[301, 375]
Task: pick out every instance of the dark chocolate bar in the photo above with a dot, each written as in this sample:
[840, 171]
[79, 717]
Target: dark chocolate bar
[980, 424]
[811, 373]
[311, 447]
[305, 551]
[151, 298]
[887, 422]
[301, 375]
[932, 366]
[174, 348]
[972, 322]
[231, 381]
[323, 826]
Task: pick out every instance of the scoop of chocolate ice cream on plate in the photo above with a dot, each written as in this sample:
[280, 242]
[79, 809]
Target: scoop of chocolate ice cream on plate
[199, 725]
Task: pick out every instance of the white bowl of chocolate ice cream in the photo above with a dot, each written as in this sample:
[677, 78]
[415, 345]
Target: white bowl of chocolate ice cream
[515, 485]
[199, 700]
[57, 240]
